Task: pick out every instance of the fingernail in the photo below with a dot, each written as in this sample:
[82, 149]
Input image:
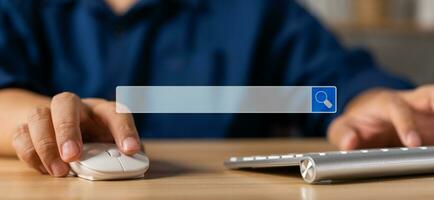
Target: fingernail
[413, 139]
[130, 144]
[59, 168]
[43, 170]
[69, 150]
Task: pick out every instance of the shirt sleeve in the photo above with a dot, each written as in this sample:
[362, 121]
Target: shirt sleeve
[18, 49]
[310, 55]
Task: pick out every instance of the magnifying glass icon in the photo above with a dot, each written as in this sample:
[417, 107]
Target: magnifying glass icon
[321, 97]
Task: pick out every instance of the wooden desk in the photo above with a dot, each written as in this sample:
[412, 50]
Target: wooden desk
[193, 170]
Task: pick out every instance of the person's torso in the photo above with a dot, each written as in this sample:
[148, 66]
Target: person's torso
[89, 50]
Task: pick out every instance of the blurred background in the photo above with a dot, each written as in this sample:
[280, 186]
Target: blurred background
[400, 33]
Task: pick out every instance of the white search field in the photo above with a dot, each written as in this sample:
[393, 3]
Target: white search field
[226, 99]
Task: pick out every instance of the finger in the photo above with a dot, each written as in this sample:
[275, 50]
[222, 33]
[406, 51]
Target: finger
[44, 141]
[93, 130]
[401, 116]
[420, 99]
[23, 146]
[92, 102]
[343, 135]
[430, 94]
[121, 126]
[65, 113]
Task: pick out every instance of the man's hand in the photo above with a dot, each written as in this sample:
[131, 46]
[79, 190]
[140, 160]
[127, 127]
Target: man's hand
[54, 135]
[385, 118]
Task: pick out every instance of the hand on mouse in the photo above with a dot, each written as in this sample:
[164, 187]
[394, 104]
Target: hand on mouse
[384, 118]
[54, 135]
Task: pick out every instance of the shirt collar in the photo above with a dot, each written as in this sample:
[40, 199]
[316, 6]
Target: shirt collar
[101, 9]
[97, 3]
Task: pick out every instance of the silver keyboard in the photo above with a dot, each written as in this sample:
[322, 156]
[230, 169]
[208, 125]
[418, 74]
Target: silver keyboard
[341, 165]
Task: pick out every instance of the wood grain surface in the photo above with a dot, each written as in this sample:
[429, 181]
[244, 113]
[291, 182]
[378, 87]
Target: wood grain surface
[193, 169]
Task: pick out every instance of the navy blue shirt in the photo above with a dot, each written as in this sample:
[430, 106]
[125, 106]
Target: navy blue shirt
[50, 46]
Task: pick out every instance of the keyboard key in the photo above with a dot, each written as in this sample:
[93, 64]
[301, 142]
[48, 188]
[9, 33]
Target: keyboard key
[273, 157]
[287, 156]
[260, 158]
[248, 158]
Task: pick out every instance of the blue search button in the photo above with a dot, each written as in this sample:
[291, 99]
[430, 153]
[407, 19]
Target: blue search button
[324, 99]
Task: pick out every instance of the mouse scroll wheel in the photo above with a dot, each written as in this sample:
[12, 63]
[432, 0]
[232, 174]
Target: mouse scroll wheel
[114, 153]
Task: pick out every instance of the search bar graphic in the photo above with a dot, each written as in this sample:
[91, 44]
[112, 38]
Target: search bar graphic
[226, 99]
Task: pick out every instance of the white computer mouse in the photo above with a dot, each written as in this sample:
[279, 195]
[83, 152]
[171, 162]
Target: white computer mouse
[103, 161]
